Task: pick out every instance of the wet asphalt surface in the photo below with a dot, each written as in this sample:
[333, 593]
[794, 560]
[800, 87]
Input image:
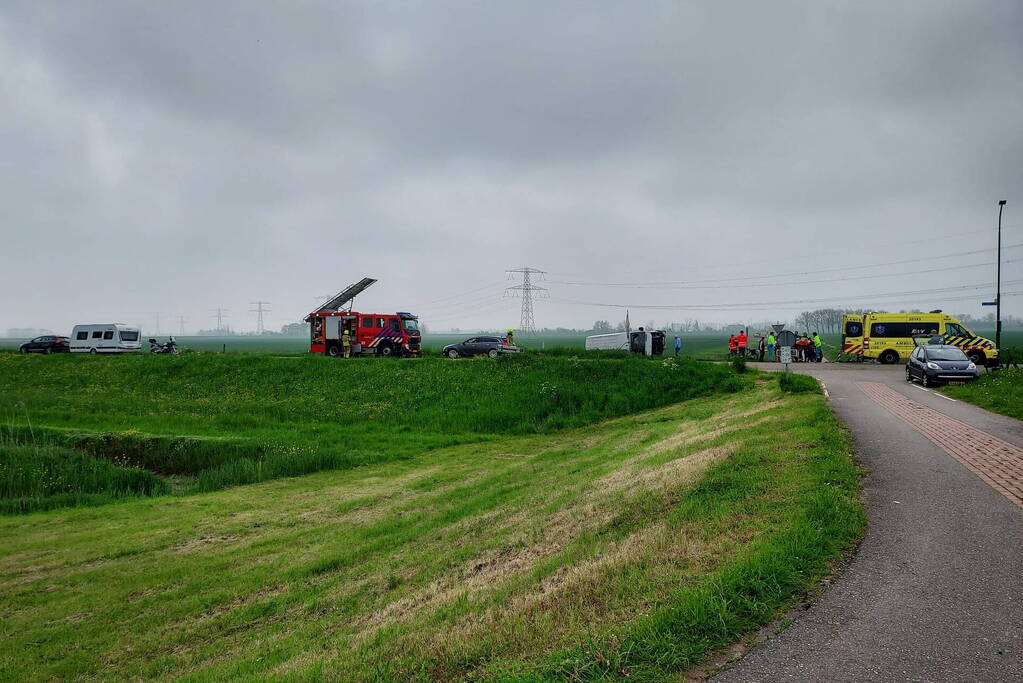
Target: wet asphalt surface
[935, 592]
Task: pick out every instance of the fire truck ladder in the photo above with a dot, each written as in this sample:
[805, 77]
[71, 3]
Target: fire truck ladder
[345, 296]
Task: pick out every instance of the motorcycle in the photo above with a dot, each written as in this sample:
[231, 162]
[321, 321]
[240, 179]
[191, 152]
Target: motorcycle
[170, 346]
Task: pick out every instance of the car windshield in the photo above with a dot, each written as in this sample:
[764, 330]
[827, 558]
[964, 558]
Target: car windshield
[945, 354]
[411, 324]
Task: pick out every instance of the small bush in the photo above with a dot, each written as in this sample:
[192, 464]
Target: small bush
[739, 364]
[797, 384]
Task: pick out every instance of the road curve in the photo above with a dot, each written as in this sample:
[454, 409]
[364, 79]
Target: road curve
[935, 592]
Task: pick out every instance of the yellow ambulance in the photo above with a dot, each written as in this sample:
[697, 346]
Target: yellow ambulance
[891, 337]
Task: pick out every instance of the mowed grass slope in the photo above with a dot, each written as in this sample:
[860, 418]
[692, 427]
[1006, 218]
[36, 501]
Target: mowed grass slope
[625, 548]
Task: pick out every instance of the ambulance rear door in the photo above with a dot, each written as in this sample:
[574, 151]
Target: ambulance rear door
[852, 334]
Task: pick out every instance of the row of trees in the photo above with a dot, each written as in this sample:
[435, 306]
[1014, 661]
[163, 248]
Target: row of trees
[821, 320]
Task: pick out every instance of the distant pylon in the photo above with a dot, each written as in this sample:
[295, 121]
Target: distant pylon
[220, 314]
[259, 311]
[527, 325]
[181, 325]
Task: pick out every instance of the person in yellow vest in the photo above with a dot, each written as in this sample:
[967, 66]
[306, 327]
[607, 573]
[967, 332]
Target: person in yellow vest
[346, 343]
[509, 338]
[818, 347]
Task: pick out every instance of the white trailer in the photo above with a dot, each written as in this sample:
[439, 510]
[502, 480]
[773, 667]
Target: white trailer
[650, 343]
[106, 338]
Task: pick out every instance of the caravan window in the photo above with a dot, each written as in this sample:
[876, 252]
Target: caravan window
[97, 334]
[129, 336]
[109, 334]
[82, 334]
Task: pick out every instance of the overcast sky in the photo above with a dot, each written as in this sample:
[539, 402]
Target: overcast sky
[173, 157]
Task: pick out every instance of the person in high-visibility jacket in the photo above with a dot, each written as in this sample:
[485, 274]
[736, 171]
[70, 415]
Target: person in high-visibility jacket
[733, 344]
[346, 343]
[770, 345]
[509, 338]
[742, 340]
[818, 347]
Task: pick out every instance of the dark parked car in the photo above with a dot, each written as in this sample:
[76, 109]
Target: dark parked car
[48, 343]
[479, 346]
[940, 364]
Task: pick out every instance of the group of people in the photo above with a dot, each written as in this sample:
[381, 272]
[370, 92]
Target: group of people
[808, 349]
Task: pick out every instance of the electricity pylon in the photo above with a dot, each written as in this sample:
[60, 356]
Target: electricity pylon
[259, 311]
[220, 314]
[528, 291]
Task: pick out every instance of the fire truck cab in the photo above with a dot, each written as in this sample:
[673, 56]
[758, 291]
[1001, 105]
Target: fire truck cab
[383, 334]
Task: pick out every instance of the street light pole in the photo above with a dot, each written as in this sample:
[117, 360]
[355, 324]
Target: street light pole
[998, 286]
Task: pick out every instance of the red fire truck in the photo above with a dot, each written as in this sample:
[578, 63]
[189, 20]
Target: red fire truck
[383, 334]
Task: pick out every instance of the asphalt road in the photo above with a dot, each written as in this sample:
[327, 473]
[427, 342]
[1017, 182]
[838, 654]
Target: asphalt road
[935, 592]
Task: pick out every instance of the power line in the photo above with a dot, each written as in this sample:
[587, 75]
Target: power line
[776, 303]
[686, 283]
[460, 295]
[780, 282]
[526, 323]
[259, 310]
[815, 254]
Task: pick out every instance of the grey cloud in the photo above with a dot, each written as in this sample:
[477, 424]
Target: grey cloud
[224, 151]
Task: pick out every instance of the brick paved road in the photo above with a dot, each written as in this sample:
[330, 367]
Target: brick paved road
[997, 462]
[935, 592]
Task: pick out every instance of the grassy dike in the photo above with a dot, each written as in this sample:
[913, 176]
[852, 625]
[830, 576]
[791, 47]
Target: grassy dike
[630, 547]
[208, 421]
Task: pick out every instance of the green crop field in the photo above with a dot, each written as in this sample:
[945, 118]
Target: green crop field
[531, 517]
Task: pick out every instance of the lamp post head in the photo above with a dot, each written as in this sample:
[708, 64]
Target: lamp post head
[1001, 202]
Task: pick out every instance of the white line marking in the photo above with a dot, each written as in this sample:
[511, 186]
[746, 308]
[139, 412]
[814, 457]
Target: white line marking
[935, 393]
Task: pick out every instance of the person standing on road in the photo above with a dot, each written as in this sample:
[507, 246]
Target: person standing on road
[742, 340]
[678, 345]
[733, 344]
[818, 347]
[770, 345]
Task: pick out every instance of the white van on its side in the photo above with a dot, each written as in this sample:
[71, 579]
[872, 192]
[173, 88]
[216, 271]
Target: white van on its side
[108, 338]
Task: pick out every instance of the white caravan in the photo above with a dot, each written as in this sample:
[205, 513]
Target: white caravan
[108, 338]
[650, 343]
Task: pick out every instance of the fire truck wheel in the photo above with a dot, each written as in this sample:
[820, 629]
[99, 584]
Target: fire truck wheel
[452, 354]
[493, 353]
[386, 350]
[333, 351]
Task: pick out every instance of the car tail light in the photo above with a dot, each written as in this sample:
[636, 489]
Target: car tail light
[866, 343]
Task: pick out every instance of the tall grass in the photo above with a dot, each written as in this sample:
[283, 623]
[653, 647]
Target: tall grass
[41, 477]
[795, 383]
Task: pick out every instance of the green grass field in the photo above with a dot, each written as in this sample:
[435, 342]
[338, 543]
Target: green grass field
[516, 534]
